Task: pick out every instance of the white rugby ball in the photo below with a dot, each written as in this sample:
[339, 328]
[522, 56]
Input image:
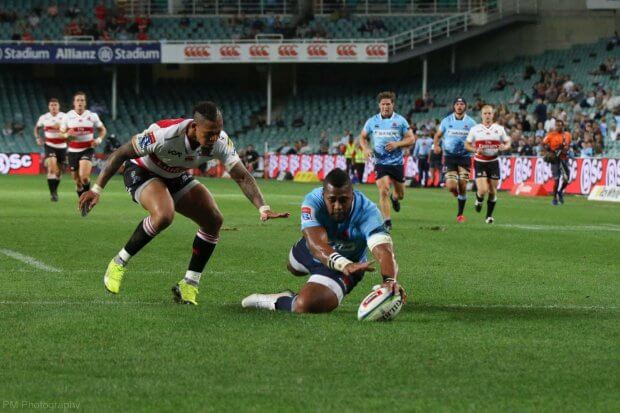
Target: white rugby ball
[380, 305]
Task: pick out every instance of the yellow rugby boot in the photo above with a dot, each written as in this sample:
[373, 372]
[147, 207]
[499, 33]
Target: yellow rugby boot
[185, 293]
[113, 277]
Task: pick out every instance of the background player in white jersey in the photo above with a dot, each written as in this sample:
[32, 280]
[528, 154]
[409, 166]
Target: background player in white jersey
[79, 127]
[390, 133]
[55, 144]
[158, 180]
[486, 140]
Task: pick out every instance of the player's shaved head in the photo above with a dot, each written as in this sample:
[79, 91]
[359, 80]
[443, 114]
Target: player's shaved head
[206, 111]
[337, 178]
[207, 125]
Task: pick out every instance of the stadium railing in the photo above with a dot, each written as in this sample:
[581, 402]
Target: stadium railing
[321, 7]
[457, 23]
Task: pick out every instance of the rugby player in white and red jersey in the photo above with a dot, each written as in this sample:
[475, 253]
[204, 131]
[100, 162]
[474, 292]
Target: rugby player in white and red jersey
[486, 140]
[55, 145]
[78, 127]
[158, 180]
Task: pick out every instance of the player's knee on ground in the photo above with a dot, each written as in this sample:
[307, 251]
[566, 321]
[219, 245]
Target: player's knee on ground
[314, 304]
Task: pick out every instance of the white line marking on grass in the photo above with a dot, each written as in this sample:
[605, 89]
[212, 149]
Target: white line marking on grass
[532, 227]
[28, 260]
[95, 302]
[516, 306]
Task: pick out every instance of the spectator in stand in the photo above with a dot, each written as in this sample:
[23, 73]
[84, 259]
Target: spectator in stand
[142, 36]
[540, 130]
[251, 159]
[100, 15]
[298, 121]
[285, 149]
[529, 71]
[280, 121]
[550, 124]
[304, 148]
[429, 102]
[500, 85]
[33, 20]
[540, 111]
[528, 147]
[27, 36]
[323, 139]
[52, 10]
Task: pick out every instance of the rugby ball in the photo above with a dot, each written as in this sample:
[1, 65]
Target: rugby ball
[380, 305]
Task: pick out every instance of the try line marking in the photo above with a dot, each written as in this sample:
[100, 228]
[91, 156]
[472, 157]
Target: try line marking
[438, 306]
[28, 260]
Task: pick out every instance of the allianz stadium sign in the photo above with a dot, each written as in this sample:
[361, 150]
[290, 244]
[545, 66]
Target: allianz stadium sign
[275, 52]
[120, 53]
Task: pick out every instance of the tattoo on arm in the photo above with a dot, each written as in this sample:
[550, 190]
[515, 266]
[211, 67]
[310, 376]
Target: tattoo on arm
[248, 184]
[115, 161]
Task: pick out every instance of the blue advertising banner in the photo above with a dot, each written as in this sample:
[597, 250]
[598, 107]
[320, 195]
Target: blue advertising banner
[81, 54]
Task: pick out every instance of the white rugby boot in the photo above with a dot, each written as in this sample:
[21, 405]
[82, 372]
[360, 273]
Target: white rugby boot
[264, 301]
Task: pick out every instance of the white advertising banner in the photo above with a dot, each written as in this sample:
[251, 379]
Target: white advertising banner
[274, 53]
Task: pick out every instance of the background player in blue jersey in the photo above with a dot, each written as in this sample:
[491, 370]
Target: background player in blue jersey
[454, 129]
[338, 224]
[390, 133]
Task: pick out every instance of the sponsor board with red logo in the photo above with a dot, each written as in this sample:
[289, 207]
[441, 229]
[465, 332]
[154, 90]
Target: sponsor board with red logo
[19, 163]
[275, 52]
[522, 173]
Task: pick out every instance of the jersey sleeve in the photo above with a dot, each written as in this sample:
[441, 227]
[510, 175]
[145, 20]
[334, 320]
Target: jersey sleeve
[97, 121]
[404, 126]
[148, 141]
[40, 121]
[368, 127]
[309, 211]
[443, 126]
[372, 222]
[64, 123]
[225, 151]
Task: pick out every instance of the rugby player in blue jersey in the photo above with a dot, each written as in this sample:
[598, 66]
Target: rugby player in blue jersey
[454, 129]
[338, 225]
[390, 133]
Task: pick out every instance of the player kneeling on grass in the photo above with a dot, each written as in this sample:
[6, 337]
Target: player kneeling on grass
[158, 180]
[338, 223]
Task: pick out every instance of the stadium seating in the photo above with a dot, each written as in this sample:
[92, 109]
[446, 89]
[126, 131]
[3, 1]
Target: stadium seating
[330, 108]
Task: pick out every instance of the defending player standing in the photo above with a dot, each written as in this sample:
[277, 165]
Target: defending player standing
[454, 129]
[338, 224]
[390, 132]
[55, 145]
[158, 180]
[79, 127]
[485, 140]
[557, 145]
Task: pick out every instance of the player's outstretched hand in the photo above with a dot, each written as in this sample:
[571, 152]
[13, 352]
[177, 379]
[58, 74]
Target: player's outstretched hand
[88, 200]
[396, 288]
[354, 267]
[264, 216]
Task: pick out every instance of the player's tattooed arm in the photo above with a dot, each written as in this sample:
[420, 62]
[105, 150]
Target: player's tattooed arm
[90, 198]
[250, 189]
[318, 243]
[118, 157]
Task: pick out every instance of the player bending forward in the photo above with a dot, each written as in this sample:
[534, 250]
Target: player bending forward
[338, 224]
[485, 140]
[157, 179]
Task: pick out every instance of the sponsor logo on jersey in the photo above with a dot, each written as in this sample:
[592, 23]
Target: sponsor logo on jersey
[146, 140]
[306, 213]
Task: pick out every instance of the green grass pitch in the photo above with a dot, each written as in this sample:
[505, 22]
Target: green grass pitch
[519, 316]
